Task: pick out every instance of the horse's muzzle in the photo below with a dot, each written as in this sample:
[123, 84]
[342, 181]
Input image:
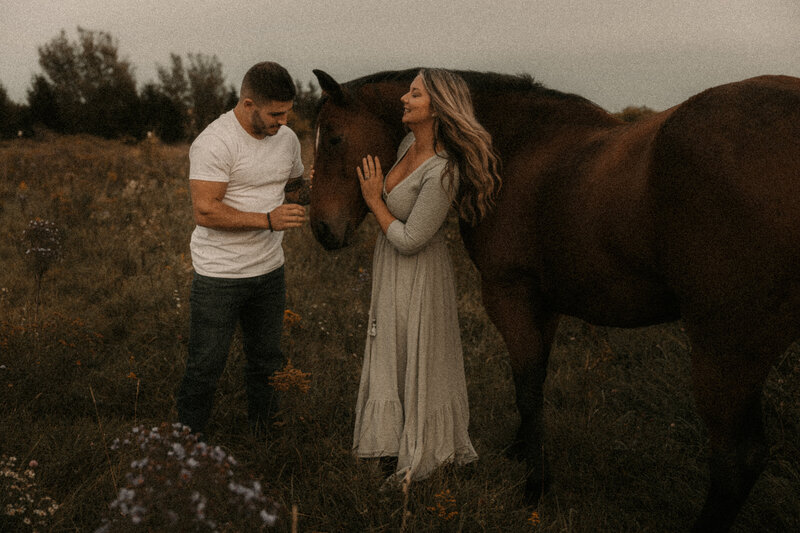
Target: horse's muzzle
[327, 237]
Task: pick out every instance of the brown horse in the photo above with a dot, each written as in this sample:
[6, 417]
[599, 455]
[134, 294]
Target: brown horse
[693, 213]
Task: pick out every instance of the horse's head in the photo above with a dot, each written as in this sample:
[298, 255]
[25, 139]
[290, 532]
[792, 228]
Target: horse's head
[352, 122]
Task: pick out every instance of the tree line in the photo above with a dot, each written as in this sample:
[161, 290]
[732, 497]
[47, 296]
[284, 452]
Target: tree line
[86, 87]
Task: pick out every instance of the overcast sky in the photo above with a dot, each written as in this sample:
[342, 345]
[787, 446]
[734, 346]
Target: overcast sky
[614, 52]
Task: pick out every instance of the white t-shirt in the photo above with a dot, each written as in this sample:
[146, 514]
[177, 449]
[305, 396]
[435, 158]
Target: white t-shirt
[256, 172]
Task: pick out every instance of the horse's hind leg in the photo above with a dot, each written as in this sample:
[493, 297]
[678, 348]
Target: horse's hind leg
[727, 388]
[528, 334]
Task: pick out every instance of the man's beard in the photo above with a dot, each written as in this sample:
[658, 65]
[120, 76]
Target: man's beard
[259, 128]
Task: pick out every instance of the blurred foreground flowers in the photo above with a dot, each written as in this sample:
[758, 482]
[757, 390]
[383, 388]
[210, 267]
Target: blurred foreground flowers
[22, 505]
[181, 484]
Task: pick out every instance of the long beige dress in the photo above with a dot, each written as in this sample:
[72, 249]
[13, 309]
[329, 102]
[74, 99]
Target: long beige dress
[412, 400]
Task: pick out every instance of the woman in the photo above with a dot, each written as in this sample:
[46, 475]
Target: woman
[412, 400]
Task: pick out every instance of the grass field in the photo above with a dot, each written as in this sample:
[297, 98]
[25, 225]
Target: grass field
[93, 331]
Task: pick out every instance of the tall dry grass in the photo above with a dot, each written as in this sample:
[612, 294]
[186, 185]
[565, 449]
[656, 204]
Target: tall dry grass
[99, 346]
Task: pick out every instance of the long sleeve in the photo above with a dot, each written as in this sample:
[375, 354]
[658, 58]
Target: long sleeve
[426, 217]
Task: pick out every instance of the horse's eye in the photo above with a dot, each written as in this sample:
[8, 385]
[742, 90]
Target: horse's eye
[336, 140]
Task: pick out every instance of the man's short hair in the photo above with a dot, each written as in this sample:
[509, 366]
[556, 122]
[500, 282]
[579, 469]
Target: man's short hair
[267, 82]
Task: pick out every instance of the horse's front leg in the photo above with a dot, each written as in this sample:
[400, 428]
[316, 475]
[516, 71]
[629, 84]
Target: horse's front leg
[728, 386]
[528, 332]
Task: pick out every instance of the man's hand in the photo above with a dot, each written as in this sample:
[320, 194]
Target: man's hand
[287, 216]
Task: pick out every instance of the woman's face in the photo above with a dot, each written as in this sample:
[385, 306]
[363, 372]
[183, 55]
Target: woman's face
[417, 104]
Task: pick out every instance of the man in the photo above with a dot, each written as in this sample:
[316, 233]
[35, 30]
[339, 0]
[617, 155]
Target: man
[239, 166]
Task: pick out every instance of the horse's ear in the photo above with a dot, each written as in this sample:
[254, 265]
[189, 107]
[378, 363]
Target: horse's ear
[329, 86]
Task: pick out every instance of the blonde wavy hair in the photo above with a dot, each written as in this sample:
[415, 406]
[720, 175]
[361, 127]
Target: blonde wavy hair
[468, 144]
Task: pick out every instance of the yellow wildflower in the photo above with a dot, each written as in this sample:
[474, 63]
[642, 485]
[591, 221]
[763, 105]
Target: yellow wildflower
[290, 318]
[445, 505]
[291, 377]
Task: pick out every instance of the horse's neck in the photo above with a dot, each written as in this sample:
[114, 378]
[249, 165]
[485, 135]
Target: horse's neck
[540, 110]
[524, 124]
[383, 100]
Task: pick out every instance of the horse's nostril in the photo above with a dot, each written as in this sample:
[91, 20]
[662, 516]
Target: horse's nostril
[325, 236]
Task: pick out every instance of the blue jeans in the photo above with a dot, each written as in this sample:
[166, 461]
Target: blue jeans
[217, 306]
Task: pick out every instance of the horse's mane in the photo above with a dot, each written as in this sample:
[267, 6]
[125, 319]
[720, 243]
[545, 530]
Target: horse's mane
[485, 82]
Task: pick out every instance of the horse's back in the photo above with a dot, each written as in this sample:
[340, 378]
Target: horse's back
[695, 207]
[725, 193]
[573, 212]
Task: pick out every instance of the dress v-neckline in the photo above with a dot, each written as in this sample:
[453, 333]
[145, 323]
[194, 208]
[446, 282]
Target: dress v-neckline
[388, 192]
